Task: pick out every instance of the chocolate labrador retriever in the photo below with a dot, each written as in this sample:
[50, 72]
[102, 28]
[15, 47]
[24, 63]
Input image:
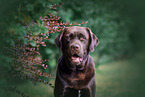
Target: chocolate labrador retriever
[76, 70]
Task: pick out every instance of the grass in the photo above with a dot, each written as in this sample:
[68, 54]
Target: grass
[123, 78]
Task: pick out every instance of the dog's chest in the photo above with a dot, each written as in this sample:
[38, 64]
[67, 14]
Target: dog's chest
[76, 79]
[77, 76]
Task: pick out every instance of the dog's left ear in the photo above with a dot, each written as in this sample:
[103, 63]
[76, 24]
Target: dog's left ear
[94, 41]
[58, 39]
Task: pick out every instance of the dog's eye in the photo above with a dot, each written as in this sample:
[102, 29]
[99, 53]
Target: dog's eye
[82, 38]
[67, 38]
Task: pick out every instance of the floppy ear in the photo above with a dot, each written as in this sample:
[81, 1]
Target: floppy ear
[58, 39]
[94, 41]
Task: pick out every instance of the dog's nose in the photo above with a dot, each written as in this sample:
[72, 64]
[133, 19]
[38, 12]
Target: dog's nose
[75, 47]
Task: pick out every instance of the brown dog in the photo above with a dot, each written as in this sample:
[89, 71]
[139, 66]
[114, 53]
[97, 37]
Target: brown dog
[76, 69]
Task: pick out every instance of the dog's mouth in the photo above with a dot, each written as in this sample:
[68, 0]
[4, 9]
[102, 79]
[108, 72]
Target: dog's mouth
[76, 58]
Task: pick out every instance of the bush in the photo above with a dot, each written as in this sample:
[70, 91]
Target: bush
[23, 38]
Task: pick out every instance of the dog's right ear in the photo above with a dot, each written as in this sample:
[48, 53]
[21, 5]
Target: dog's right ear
[58, 41]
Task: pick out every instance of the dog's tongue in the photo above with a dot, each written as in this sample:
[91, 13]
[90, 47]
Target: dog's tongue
[76, 59]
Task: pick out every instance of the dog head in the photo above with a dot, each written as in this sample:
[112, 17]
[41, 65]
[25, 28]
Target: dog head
[76, 43]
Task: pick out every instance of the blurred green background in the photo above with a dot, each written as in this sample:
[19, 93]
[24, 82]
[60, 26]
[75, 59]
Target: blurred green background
[119, 57]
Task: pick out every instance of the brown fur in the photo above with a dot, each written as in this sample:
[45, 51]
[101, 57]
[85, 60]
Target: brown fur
[73, 75]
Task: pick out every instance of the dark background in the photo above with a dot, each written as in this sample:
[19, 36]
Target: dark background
[119, 57]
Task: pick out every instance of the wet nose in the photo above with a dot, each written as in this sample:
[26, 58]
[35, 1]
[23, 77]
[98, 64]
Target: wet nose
[75, 47]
